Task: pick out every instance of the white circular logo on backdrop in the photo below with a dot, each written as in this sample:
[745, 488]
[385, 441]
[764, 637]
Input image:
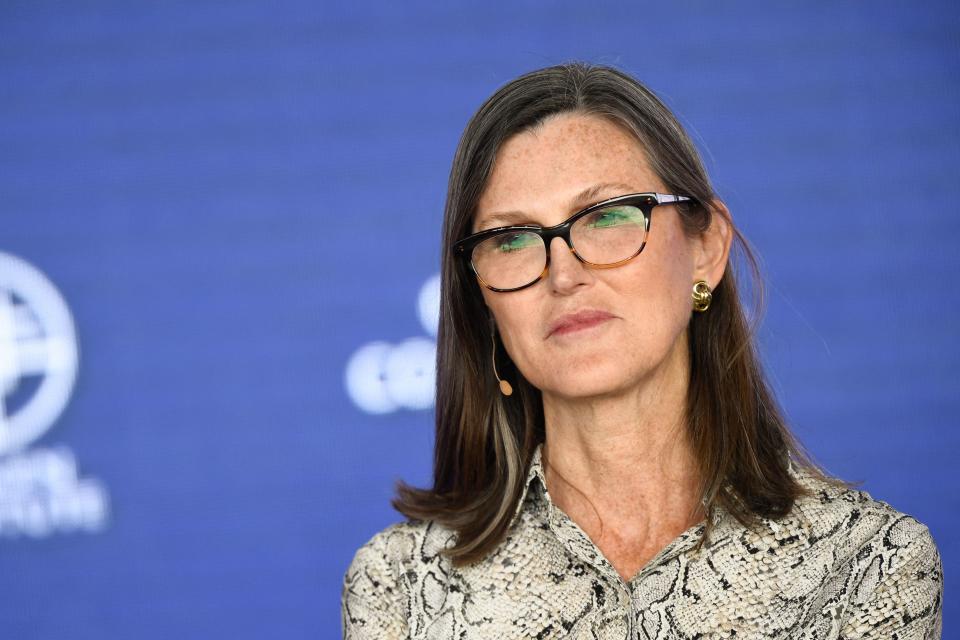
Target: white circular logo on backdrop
[382, 377]
[38, 354]
[428, 305]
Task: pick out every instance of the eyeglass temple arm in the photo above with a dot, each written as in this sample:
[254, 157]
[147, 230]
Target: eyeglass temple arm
[664, 198]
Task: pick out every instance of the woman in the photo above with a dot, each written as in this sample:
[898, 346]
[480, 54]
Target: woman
[610, 462]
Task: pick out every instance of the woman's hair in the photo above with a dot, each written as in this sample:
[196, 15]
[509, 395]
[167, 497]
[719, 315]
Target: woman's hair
[485, 441]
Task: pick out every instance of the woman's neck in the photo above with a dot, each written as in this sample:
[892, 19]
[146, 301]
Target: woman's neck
[625, 458]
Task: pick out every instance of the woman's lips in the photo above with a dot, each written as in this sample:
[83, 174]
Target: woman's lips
[577, 321]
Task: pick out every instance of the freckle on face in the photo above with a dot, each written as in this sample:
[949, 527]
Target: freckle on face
[538, 172]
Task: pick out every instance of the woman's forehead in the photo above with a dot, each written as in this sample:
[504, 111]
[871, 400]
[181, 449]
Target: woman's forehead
[567, 163]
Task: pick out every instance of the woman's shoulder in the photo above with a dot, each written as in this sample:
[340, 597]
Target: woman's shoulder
[397, 548]
[892, 553]
[885, 560]
[853, 516]
[374, 595]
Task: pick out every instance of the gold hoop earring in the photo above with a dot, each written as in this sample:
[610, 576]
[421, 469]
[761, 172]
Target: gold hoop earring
[701, 295]
[505, 387]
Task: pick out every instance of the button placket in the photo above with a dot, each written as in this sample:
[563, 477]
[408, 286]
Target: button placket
[579, 544]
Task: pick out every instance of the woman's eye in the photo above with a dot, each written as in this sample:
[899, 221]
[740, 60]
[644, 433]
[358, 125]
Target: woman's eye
[610, 218]
[516, 242]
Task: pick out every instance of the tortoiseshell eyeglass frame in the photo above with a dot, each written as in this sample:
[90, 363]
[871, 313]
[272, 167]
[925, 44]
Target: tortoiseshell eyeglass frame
[643, 201]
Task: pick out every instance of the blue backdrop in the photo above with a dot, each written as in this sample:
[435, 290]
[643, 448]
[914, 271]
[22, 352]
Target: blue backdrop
[219, 229]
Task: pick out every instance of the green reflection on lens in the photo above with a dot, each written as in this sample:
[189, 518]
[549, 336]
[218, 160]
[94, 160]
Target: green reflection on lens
[516, 242]
[612, 218]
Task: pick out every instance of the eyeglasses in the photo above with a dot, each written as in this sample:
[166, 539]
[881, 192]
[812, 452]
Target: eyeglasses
[604, 235]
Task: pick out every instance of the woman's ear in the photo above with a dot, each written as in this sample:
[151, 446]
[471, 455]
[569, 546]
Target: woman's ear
[713, 245]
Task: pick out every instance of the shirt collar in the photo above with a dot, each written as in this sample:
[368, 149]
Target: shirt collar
[534, 471]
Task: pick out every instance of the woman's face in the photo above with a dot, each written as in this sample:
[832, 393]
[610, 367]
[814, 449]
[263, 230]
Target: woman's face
[539, 173]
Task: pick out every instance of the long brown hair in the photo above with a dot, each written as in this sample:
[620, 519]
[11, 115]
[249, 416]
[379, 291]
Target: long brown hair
[485, 441]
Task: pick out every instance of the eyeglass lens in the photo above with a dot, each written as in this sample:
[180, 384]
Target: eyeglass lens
[603, 237]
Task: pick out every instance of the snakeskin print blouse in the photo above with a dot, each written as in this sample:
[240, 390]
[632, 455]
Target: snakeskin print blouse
[840, 565]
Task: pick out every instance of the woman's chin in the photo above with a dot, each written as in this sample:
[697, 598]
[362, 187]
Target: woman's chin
[587, 384]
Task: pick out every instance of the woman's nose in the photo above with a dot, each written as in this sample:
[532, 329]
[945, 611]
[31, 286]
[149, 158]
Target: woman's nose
[566, 272]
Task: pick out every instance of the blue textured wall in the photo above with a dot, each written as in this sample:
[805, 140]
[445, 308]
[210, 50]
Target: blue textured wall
[234, 199]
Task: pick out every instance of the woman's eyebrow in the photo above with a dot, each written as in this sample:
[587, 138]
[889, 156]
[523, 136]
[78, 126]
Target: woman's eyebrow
[579, 201]
[589, 195]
